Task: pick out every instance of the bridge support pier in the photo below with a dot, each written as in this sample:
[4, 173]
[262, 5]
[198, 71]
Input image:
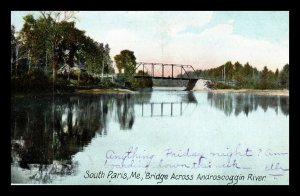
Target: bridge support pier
[191, 84]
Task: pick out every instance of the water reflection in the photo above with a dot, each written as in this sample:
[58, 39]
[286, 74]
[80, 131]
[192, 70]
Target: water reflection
[125, 111]
[189, 98]
[247, 103]
[47, 131]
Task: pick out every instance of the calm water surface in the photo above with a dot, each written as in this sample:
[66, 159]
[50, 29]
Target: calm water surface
[57, 139]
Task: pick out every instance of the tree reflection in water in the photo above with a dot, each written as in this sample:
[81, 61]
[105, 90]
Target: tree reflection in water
[46, 132]
[125, 111]
[237, 103]
[189, 98]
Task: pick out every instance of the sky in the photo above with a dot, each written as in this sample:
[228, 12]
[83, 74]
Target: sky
[204, 39]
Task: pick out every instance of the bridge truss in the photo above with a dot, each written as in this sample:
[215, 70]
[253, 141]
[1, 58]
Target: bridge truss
[165, 71]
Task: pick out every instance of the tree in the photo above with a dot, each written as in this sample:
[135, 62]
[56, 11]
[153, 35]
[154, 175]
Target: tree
[28, 37]
[284, 76]
[247, 71]
[107, 60]
[126, 61]
[238, 75]
[20, 48]
[55, 31]
[95, 56]
[88, 53]
[13, 48]
[264, 78]
[143, 83]
[52, 39]
[92, 54]
[264, 73]
[71, 43]
[35, 37]
[229, 70]
[51, 35]
[277, 73]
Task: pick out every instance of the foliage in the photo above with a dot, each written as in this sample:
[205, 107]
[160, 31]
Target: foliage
[33, 81]
[126, 61]
[51, 41]
[246, 76]
[284, 77]
[96, 57]
[219, 85]
[142, 83]
[45, 39]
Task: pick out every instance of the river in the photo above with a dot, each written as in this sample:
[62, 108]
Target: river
[85, 139]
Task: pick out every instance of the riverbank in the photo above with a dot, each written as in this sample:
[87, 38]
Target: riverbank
[18, 95]
[252, 91]
[205, 85]
[248, 91]
[102, 91]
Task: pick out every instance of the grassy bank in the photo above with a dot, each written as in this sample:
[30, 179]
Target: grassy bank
[252, 91]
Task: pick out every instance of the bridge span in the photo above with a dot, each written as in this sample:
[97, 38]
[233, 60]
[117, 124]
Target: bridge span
[168, 72]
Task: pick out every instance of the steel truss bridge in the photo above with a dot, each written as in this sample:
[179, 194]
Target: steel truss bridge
[165, 71]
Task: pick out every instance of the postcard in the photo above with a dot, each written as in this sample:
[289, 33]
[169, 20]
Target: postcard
[150, 97]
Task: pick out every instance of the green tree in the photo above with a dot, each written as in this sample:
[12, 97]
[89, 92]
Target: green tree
[89, 54]
[229, 70]
[43, 38]
[13, 46]
[277, 73]
[55, 30]
[108, 67]
[71, 43]
[247, 71]
[264, 78]
[93, 53]
[238, 72]
[28, 37]
[284, 76]
[126, 61]
[143, 83]
[95, 56]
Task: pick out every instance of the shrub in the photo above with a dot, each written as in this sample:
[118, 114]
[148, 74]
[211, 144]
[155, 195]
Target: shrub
[34, 81]
[220, 85]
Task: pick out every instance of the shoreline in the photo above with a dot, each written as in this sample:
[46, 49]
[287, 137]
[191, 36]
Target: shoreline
[102, 91]
[122, 91]
[252, 91]
[16, 95]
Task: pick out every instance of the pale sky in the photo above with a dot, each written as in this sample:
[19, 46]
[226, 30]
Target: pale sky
[204, 39]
